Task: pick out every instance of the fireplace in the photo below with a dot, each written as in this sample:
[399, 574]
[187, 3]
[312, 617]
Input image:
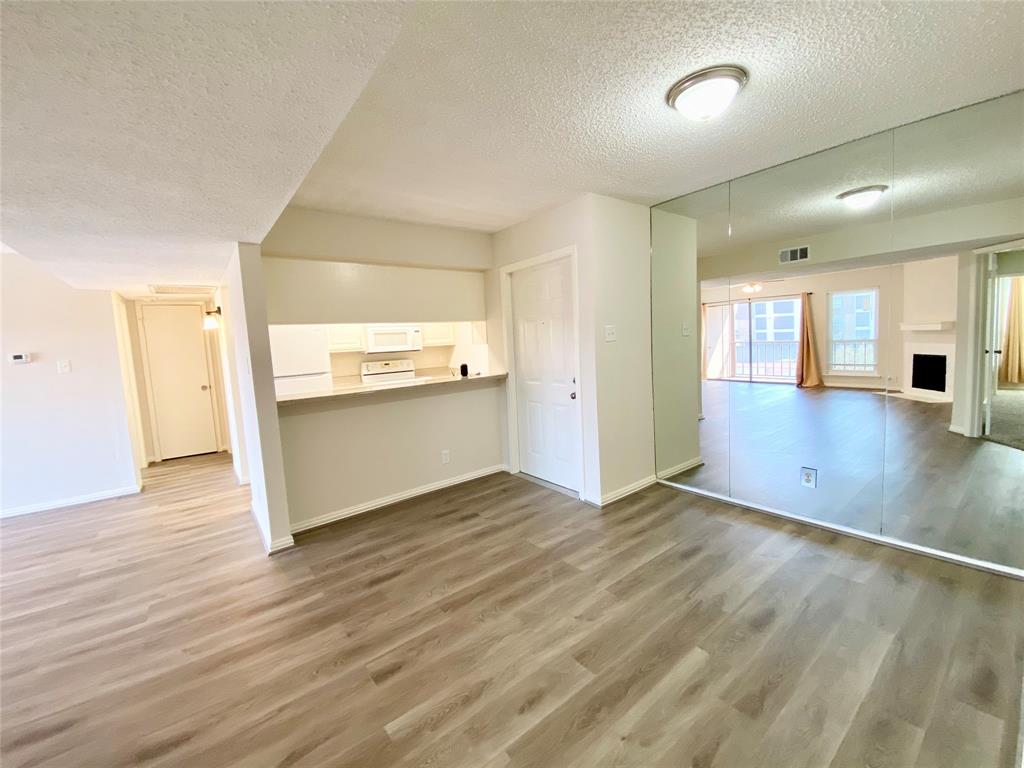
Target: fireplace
[928, 365]
[928, 372]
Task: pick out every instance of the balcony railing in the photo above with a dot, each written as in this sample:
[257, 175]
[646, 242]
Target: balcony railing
[854, 356]
[772, 360]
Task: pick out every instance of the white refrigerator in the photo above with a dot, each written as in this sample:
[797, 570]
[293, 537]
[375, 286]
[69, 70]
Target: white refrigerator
[301, 358]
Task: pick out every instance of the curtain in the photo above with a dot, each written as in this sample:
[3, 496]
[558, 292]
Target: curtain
[808, 374]
[1011, 362]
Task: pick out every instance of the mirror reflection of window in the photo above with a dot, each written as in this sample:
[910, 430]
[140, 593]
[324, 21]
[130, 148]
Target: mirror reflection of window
[854, 323]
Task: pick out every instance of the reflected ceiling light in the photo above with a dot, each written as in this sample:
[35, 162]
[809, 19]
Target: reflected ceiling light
[708, 92]
[862, 197]
[211, 320]
[752, 288]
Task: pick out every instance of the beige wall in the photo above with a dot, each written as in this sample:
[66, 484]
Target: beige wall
[303, 291]
[930, 290]
[940, 229]
[245, 314]
[65, 437]
[612, 241]
[308, 234]
[347, 455]
[676, 357]
[1011, 263]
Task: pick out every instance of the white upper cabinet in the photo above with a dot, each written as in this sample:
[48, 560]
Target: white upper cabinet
[346, 337]
[299, 350]
[439, 334]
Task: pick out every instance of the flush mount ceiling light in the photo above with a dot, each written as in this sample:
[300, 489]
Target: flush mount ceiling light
[211, 320]
[862, 197]
[708, 92]
[752, 288]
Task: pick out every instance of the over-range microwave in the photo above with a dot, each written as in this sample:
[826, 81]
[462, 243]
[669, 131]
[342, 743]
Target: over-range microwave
[393, 338]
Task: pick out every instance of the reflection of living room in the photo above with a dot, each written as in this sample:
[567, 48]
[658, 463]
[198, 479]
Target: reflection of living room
[876, 358]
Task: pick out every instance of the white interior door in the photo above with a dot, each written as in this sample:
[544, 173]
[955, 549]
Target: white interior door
[547, 403]
[181, 397]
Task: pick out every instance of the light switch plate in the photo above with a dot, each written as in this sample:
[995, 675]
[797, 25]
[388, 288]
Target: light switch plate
[609, 333]
[808, 477]
[63, 366]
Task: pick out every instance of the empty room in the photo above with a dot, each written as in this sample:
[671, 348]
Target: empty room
[493, 384]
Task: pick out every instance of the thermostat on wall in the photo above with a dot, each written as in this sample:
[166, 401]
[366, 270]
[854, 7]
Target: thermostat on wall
[21, 357]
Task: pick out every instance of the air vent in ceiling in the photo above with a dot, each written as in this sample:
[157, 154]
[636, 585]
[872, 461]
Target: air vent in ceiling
[181, 290]
[786, 255]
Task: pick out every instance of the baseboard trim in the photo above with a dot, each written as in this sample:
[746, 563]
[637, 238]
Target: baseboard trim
[957, 430]
[280, 545]
[886, 541]
[71, 501]
[383, 501]
[621, 493]
[681, 467]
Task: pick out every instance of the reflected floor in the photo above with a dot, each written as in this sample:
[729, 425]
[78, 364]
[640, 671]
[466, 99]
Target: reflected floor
[939, 489]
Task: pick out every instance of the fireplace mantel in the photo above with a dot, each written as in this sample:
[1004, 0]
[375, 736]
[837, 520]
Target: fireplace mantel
[943, 326]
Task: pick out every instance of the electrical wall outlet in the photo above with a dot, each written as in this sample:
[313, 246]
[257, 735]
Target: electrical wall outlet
[609, 333]
[808, 477]
[686, 329]
[446, 456]
[63, 366]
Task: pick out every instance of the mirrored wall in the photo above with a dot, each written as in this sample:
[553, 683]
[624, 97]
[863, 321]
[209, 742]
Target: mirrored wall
[839, 338]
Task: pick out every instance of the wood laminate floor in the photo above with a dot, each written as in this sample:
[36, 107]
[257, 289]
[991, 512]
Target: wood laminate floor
[497, 624]
[885, 465]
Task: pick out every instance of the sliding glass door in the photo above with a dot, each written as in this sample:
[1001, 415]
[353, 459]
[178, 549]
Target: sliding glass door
[752, 339]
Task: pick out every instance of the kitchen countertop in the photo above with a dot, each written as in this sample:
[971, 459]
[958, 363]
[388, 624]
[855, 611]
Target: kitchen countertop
[344, 386]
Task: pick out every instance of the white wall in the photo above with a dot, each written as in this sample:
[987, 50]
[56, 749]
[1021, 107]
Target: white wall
[245, 314]
[65, 437]
[303, 291]
[675, 299]
[347, 455]
[308, 234]
[889, 282]
[970, 340]
[612, 241]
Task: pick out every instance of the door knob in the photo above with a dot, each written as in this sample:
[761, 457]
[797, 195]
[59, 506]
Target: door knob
[572, 396]
[204, 387]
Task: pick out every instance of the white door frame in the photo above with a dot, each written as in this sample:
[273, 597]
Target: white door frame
[508, 333]
[214, 378]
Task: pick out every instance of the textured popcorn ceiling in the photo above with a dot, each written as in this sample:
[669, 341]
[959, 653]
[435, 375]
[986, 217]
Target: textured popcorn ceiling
[970, 156]
[141, 139]
[481, 116]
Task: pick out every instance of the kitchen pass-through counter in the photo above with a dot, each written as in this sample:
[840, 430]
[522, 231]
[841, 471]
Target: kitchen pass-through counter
[345, 386]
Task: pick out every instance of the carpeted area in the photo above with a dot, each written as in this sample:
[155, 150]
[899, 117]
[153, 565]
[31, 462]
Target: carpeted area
[1008, 418]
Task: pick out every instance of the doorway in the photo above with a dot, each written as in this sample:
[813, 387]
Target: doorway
[545, 368]
[179, 378]
[1003, 393]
